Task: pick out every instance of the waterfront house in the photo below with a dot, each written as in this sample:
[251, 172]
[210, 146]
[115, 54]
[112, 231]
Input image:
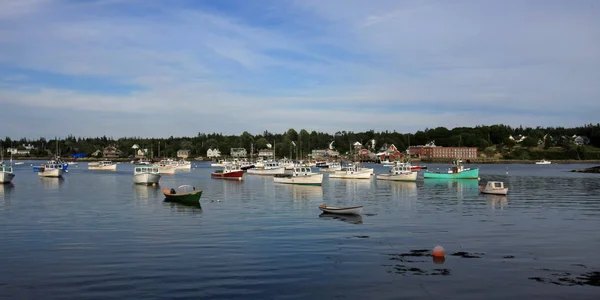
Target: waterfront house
[213, 153]
[183, 153]
[266, 153]
[111, 152]
[238, 152]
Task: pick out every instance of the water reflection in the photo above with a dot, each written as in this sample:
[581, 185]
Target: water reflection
[352, 219]
[306, 193]
[496, 201]
[145, 192]
[460, 186]
[192, 208]
[51, 183]
[399, 188]
[5, 191]
[350, 185]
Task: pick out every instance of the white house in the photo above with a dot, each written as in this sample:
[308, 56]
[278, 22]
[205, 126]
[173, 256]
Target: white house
[183, 153]
[238, 152]
[213, 153]
[266, 153]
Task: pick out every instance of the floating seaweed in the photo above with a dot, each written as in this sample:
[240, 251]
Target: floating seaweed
[567, 279]
[467, 254]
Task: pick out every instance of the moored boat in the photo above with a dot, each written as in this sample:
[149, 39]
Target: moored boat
[543, 162]
[352, 172]
[494, 188]
[50, 169]
[400, 172]
[183, 194]
[103, 165]
[269, 168]
[147, 175]
[348, 210]
[6, 173]
[456, 171]
[300, 175]
[230, 171]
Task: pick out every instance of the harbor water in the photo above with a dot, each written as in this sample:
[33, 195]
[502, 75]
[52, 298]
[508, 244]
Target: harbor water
[95, 235]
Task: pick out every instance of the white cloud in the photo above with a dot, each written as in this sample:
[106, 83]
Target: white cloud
[448, 64]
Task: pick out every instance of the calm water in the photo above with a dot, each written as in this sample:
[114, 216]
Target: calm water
[93, 235]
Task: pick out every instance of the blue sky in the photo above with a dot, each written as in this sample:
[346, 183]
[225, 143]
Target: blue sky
[161, 68]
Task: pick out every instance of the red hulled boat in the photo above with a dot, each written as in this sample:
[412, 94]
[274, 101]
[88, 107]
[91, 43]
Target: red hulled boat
[229, 171]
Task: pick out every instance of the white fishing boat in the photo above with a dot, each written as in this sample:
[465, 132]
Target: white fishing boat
[399, 172]
[543, 162]
[18, 163]
[220, 163]
[141, 162]
[494, 188]
[51, 169]
[352, 172]
[300, 175]
[147, 175]
[177, 164]
[103, 165]
[348, 210]
[269, 168]
[330, 167]
[6, 173]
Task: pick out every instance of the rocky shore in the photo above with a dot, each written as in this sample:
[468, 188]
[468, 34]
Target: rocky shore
[588, 170]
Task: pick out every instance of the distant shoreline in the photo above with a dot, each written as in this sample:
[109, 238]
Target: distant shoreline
[414, 161]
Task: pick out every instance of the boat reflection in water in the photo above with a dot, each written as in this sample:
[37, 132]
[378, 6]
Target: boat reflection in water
[306, 192]
[496, 201]
[399, 188]
[459, 186]
[5, 191]
[51, 183]
[182, 207]
[353, 188]
[145, 192]
[352, 219]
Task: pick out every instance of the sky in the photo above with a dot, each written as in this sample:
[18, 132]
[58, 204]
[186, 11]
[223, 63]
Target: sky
[156, 68]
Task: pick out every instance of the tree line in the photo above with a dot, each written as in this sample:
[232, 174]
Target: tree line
[300, 143]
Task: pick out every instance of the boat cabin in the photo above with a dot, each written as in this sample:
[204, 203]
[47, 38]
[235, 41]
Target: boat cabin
[231, 168]
[271, 165]
[141, 170]
[457, 167]
[494, 185]
[302, 171]
[400, 168]
[5, 169]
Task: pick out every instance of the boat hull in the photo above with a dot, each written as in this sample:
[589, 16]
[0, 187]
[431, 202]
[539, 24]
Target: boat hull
[188, 198]
[501, 192]
[353, 210]
[316, 179]
[167, 170]
[6, 177]
[467, 174]
[51, 173]
[412, 176]
[235, 175]
[351, 175]
[103, 168]
[267, 172]
[146, 178]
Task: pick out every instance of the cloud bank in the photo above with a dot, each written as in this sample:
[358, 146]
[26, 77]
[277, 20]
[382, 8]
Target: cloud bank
[160, 68]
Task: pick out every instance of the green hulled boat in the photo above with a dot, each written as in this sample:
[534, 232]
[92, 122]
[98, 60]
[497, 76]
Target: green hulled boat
[183, 194]
[457, 171]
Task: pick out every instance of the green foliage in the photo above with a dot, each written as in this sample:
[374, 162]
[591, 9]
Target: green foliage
[483, 137]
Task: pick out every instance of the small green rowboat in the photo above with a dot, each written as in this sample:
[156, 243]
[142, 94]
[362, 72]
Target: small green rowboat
[184, 194]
